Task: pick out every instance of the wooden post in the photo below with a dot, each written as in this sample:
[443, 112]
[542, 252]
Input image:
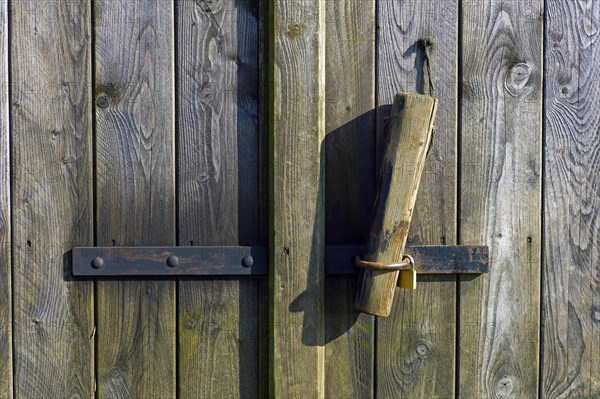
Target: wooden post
[409, 136]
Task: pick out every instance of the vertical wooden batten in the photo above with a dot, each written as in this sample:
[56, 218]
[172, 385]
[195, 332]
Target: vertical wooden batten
[52, 197]
[296, 239]
[217, 130]
[421, 328]
[349, 188]
[570, 352]
[500, 196]
[6, 378]
[135, 191]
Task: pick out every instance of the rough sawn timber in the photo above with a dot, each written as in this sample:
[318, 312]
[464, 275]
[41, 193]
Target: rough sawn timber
[500, 197]
[51, 140]
[409, 135]
[135, 193]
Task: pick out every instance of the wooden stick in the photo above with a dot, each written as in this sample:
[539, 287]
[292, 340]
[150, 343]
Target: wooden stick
[409, 136]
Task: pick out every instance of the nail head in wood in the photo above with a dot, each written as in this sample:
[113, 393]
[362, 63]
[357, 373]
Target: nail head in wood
[102, 101]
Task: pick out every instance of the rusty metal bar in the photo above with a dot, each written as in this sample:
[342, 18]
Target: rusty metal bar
[253, 261]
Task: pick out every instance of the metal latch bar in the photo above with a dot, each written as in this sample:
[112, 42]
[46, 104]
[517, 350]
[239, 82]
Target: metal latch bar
[253, 260]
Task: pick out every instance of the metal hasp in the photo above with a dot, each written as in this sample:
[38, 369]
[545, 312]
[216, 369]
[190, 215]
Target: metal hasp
[253, 261]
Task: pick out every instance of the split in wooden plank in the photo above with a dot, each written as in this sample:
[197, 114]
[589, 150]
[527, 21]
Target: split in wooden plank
[500, 197]
[570, 350]
[218, 160]
[409, 136]
[52, 191]
[135, 192]
[296, 237]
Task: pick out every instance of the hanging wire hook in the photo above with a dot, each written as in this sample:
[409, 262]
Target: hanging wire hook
[427, 43]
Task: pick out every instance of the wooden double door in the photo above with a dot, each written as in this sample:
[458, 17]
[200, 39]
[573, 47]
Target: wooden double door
[248, 122]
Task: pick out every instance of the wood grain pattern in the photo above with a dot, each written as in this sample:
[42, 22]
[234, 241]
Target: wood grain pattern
[135, 192]
[349, 188]
[218, 192]
[410, 125]
[296, 237]
[571, 279]
[6, 380]
[500, 196]
[52, 197]
[415, 344]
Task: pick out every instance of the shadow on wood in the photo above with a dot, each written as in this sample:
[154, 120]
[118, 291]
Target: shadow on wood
[349, 153]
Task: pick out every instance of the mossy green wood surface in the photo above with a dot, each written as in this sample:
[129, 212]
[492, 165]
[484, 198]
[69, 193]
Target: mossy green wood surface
[217, 128]
[409, 135]
[297, 122]
[500, 197]
[135, 191]
[52, 197]
[350, 189]
[5, 251]
[571, 287]
[415, 344]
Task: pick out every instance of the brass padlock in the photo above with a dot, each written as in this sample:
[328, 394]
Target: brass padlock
[408, 278]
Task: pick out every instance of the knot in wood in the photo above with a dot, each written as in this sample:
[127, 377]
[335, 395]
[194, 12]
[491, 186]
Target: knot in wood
[423, 348]
[102, 101]
[207, 94]
[427, 42]
[504, 387]
[517, 78]
[294, 30]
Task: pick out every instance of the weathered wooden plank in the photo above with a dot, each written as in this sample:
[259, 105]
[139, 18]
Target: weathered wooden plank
[52, 197]
[217, 150]
[409, 136]
[296, 239]
[6, 380]
[420, 330]
[135, 192]
[500, 196]
[349, 188]
[571, 285]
